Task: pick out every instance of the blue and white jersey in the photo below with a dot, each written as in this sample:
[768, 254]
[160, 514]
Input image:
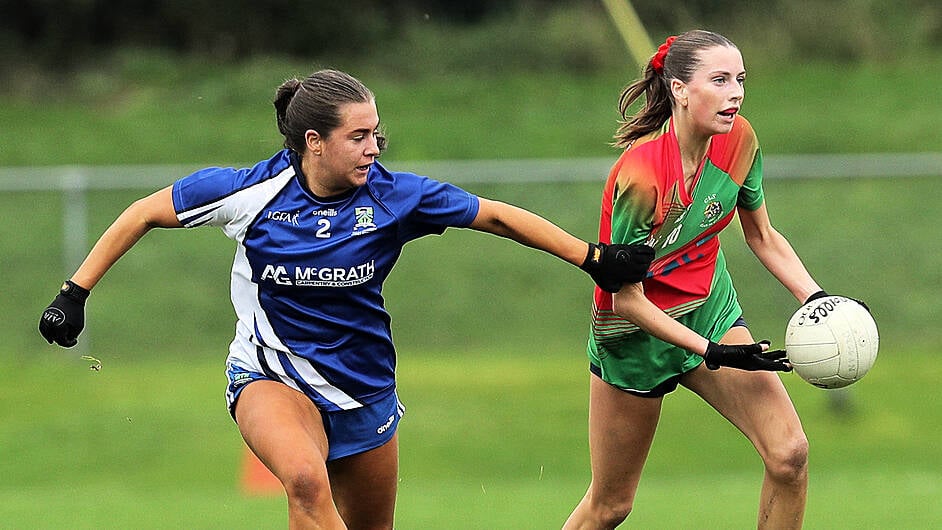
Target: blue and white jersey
[308, 273]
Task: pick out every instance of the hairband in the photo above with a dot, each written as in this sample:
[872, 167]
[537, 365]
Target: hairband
[657, 62]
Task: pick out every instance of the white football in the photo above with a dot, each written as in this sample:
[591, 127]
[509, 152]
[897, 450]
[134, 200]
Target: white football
[832, 342]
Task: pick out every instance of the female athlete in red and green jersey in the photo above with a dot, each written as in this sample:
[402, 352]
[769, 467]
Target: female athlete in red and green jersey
[691, 162]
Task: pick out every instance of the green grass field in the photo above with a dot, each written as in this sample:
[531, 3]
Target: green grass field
[492, 439]
[146, 109]
[490, 335]
[493, 374]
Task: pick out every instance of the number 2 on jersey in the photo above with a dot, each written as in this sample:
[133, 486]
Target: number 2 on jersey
[324, 231]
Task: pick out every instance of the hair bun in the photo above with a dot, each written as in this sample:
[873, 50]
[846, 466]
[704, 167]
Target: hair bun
[283, 97]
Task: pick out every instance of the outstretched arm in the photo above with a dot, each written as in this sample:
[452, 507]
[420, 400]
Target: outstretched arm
[610, 266]
[528, 228]
[153, 211]
[63, 320]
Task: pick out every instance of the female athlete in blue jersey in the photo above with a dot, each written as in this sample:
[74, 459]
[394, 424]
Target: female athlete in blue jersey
[318, 228]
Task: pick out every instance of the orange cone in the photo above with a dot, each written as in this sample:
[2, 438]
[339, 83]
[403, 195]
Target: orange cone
[257, 480]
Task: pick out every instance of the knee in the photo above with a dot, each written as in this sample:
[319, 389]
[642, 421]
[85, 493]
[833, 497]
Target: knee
[611, 513]
[615, 515]
[306, 486]
[788, 462]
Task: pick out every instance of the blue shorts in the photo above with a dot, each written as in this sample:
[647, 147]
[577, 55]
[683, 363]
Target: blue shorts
[355, 431]
[349, 432]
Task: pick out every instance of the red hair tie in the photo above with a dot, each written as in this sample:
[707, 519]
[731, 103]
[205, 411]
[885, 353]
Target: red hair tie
[657, 62]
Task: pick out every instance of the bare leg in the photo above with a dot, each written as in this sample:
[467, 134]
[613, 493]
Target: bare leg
[621, 429]
[364, 486]
[285, 430]
[758, 405]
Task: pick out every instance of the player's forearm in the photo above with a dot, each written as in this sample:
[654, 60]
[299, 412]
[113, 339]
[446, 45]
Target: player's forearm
[529, 229]
[631, 304]
[114, 243]
[777, 255]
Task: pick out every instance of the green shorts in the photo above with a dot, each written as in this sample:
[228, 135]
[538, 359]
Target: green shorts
[640, 363]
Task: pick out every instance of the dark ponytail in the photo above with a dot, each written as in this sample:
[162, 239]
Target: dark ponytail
[283, 98]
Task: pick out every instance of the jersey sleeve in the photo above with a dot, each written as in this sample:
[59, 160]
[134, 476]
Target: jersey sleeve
[198, 198]
[440, 205]
[751, 195]
[229, 198]
[422, 205]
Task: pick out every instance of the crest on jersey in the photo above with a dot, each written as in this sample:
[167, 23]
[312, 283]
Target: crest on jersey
[712, 213]
[364, 220]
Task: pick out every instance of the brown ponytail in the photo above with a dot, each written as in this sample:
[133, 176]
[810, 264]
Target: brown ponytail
[282, 98]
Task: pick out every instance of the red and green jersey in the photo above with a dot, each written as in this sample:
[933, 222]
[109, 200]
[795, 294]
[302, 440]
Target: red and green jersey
[645, 201]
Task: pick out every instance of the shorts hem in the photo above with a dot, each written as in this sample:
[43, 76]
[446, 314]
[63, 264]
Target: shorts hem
[659, 390]
[353, 451]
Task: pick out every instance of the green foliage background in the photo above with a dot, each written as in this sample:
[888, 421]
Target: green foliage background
[491, 335]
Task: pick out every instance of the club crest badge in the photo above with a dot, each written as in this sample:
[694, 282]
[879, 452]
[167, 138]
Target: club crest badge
[364, 220]
[712, 213]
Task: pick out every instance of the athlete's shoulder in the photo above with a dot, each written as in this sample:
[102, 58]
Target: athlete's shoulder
[385, 183]
[422, 199]
[265, 169]
[653, 141]
[742, 137]
[383, 176]
[735, 151]
[214, 184]
[238, 178]
[742, 131]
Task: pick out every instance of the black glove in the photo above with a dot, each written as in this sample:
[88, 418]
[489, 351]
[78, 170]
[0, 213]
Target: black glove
[746, 357]
[611, 266]
[64, 319]
[822, 294]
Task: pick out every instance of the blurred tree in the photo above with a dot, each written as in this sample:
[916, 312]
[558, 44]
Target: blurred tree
[59, 33]
[62, 33]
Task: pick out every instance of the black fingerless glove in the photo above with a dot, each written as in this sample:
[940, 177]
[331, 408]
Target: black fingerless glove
[611, 266]
[64, 319]
[745, 357]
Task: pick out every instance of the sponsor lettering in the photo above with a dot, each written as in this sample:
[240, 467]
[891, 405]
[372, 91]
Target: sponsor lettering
[241, 379]
[277, 274]
[305, 276]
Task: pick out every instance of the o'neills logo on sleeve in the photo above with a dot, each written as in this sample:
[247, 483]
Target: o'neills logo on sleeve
[319, 276]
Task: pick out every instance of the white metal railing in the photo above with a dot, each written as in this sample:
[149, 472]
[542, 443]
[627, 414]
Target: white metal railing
[65, 178]
[75, 181]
